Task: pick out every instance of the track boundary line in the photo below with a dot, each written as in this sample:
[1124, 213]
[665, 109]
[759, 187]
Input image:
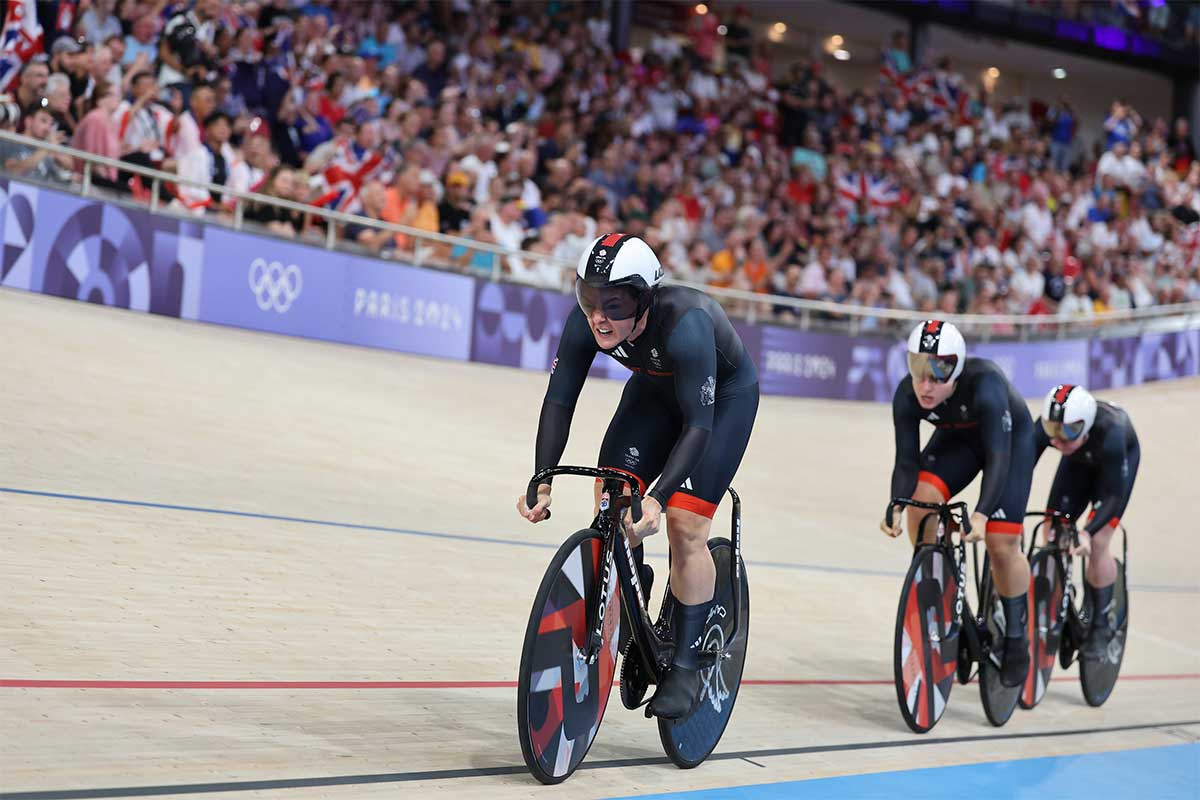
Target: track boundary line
[460, 537]
[483, 772]
[466, 537]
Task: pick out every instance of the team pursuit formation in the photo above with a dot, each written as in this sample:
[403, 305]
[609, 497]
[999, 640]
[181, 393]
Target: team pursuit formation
[668, 458]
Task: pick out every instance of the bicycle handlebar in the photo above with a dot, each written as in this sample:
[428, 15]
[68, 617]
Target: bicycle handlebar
[635, 493]
[1048, 513]
[964, 517]
[1059, 515]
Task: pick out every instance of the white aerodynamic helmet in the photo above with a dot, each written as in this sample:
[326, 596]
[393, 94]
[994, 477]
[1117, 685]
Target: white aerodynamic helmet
[1068, 412]
[617, 274]
[936, 350]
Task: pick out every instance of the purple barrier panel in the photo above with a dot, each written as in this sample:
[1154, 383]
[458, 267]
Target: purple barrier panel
[517, 326]
[398, 307]
[1163, 356]
[82, 249]
[802, 363]
[269, 285]
[1111, 362]
[1151, 357]
[1034, 367]
[871, 374]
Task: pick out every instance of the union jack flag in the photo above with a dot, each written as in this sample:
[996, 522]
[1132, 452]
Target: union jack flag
[347, 172]
[939, 90]
[946, 93]
[20, 41]
[879, 191]
[891, 76]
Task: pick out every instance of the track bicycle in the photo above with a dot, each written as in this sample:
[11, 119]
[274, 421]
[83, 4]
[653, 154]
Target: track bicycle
[589, 593]
[1057, 627]
[938, 637]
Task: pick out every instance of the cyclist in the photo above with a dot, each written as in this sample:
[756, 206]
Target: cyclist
[684, 418]
[981, 424]
[1100, 456]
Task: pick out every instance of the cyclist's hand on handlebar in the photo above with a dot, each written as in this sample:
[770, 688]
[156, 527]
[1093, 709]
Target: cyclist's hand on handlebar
[978, 527]
[539, 511]
[1084, 548]
[647, 525]
[897, 527]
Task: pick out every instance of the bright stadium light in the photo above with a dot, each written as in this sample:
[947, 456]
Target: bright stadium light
[1059, 73]
[701, 9]
[779, 27]
[841, 55]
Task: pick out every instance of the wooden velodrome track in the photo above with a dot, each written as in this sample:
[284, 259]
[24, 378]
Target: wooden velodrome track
[179, 625]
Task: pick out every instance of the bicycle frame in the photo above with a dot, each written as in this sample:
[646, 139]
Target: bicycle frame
[948, 513]
[1062, 526]
[656, 651]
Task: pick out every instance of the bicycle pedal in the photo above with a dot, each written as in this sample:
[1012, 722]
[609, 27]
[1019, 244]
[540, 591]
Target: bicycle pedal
[963, 667]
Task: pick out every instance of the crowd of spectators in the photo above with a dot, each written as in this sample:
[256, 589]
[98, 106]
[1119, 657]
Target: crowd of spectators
[517, 124]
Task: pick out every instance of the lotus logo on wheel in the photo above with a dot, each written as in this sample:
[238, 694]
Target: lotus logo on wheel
[1113, 651]
[275, 286]
[712, 680]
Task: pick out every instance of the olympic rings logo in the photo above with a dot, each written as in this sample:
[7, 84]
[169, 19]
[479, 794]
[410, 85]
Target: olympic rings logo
[275, 286]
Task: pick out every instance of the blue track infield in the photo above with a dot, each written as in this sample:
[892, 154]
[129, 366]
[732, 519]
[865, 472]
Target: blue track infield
[1161, 773]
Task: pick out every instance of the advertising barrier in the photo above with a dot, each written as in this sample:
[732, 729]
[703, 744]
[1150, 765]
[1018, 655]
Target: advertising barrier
[280, 287]
[84, 249]
[81, 249]
[1141, 359]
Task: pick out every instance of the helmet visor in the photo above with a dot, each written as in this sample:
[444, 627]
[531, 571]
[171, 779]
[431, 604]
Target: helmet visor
[614, 302]
[923, 366]
[1063, 431]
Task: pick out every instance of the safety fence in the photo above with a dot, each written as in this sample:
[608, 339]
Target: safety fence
[425, 248]
[90, 250]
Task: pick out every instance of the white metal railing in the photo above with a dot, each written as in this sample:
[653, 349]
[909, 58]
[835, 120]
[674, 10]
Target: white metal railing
[750, 305]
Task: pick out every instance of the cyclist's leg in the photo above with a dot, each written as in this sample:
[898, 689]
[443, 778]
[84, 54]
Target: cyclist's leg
[1010, 568]
[691, 508]
[1102, 566]
[638, 440]
[689, 520]
[1101, 575]
[1071, 489]
[948, 464]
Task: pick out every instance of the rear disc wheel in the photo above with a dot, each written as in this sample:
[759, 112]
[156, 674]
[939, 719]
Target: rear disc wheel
[1098, 677]
[689, 740]
[999, 701]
